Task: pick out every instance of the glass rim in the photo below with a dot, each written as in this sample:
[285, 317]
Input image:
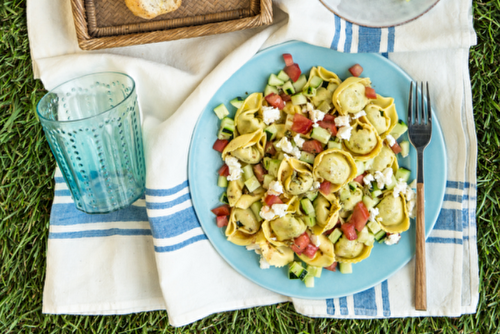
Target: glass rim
[90, 117]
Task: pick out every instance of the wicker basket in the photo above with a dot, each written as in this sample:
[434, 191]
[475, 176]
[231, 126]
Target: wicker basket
[104, 24]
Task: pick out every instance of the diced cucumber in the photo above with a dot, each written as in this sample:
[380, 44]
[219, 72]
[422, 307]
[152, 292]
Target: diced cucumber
[271, 132]
[334, 144]
[307, 157]
[300, 83]
[247, 172]
[255, 207]
[314, 271]
[399, 129]
[270, 89]
[296, 269]
[335, 235]
[365, 237]
[221, 111]
[360, 165]
[288, 88]
[405, 148]
[266, 161]
[267, 180]
[309, 91]
[227, 125]
[274, 165]
[369, 164]
[223, 135]
[223, 198]
[344, 194]
[345, 268]
[392, 184]
[289, 122]
[311, 195]
[310, 221]
[332, 86]
[380, 235]
[403, 173]
[413, 184]
[274, 80]
[237, 102]
[374, 227]
[252, 183]
[281, 156]
[309, 281]
[222, 181]
[283, 76]
[316, 81]
[298, 99]
[352, 186]
[321, 135]
[324, 106]
[370, 202]
[308, 207]
[376, 192]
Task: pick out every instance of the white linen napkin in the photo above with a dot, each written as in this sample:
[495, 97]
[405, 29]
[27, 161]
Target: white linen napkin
[154, 255]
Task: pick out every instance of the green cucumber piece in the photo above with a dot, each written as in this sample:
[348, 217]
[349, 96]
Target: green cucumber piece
[271, 132]
[403, 173]
[221, 111]
[274, 165]
[247, 172]
[399, 129]
[237, 102]
[309, 91]
[316, 82]
[307, 157]
[335, 235]
[296, 269]
[298, 99]
[222, 181]
[332, 86]
[310, 221]
[321, 135]
[376, 192]
[405, 148]
[266, 162]
[270, 89]
[283, 76]
[255, 207]
[370, 202]
[252, 183]
[365, 237]
[352, 186]
[324, 106]
[223, 198]
[345, 268]
[314, 271]
[227, 125]
[311, 195]
[300, 83]
[380, 235]
[289, 122]
[392, 184]
[344, 194]
[308, 207]
[334, 144]
[374, 227]
[360, 165]
[267, 180]
[274, 80]
[309, 281]
[288, 88]
[223, 135]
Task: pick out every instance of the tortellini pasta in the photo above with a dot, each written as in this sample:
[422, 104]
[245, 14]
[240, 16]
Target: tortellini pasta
[248, 148]
[393, 215]
[350, 97]
[382, 115]
[351, 251]
[325, 255]
[243, 227]
[296, 176]
[364, 143]
[327, 214]
[246, 119]
[336, 166]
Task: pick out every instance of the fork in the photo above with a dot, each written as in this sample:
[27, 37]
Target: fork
[420, 133]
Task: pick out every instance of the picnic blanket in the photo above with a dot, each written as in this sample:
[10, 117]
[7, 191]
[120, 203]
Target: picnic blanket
[154, 255]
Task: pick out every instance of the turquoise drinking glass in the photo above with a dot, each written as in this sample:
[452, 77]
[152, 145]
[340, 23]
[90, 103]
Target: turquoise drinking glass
[93, 127]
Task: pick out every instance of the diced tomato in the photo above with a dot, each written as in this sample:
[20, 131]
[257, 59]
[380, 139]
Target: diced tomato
[396, 148]
[359, 179]
[224, 170]
[293, 71]
[359, 216]
[356, 70]
[221, 221]
[288, 59]
[223, 210]
[301, 124]
[272, 199]
[370, 93]
[310, 251]
[275, 100]
[349, 231]
[270, 148]
[300, 243]
[219, 145]
[328, 123]
[312, 146]
[259, 172]
[325, 187]
[285, 97]
[332, 267]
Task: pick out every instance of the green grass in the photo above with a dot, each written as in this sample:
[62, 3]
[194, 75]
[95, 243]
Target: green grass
[26, 190]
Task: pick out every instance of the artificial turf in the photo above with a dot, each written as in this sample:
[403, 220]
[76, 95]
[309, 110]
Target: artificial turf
[26, 192]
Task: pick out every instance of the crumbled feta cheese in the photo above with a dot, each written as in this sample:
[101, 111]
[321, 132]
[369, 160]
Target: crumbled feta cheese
[410, 194]
[411, 206]
[280, 209]
[270, 114]
[344, 132]
[252, 247]
[298, 140]
[286, 146]
[315, 240]
[359, 114]
[315, 186]
[392, 239]
[316, 116]
[342, 121]
[263, 263]
[399, 188]
[309, 106]
[383, 178]
[368, 179]
[266, 213]
[234, 168]
[373, 213]
[275, 188]
[390, 140]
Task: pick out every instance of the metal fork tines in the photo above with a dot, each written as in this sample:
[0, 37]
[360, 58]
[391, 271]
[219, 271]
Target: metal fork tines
[420, 133]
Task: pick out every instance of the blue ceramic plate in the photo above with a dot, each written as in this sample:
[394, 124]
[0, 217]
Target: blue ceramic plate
[204, 162]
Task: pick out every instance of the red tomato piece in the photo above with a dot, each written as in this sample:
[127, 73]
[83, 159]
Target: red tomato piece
[288, 59]
[359, 216]
[285, 97]
[224, 170]
[312, 146]
[270, 148]
[325, 187]
[356, 70]
[301, 124]
[359, 179]
[370, 93]
[293, 71]
[300, 243]
[310, 251]
[396, 148]
[259, 172]
[219, 145]
[329, 126]
[272, 199]
[332, 267]
[275, 100]
[221, 221]
[223, 210]
[349, 231]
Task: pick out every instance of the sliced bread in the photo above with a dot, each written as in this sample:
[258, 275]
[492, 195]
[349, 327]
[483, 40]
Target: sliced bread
[149, 9]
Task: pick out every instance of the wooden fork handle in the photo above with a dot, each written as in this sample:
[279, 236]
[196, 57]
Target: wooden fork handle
[420, 274]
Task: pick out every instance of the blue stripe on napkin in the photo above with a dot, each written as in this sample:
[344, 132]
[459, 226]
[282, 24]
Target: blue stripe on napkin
[174, 224]
[99, 233]
[348, 37]
[330, 307]
[369, 39]
[386, 305]
[65, 214]
[162, 249]
[167, 205]
[364, 303]
[167, 192]
[343, 306]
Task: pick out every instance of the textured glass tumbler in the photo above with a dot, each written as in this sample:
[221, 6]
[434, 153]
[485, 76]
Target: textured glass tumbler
[92, 124]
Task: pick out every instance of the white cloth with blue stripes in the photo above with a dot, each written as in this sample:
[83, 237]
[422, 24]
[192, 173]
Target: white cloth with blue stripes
[154, 254]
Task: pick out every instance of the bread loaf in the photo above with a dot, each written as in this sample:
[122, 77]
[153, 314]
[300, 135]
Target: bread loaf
[149, 9]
